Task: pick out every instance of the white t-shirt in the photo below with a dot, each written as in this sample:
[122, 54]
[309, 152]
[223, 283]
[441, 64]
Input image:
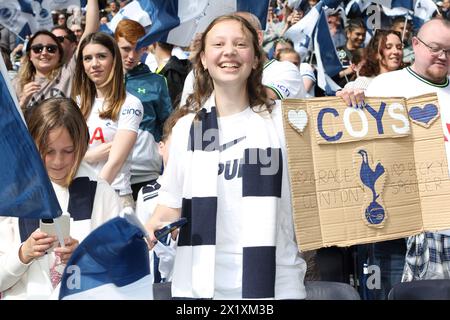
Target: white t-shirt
[307, 71]
[228, 267]
[284, 78]
[361, 83]
[145, 206]
[406, 83]
[147, 200]
[104, 130]
[228, 263]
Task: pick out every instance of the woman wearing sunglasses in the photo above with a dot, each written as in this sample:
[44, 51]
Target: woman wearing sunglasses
[42, 73]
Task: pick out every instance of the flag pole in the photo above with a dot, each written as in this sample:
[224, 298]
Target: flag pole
[404, 27]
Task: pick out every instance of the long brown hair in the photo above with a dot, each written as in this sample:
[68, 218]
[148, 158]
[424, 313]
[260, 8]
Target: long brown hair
[203, 85]
[374, 51]
[27, 69]
[57, 113]
[85, 89]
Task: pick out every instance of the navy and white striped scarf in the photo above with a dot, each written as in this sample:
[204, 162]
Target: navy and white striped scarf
[81, 202]
[261, 193]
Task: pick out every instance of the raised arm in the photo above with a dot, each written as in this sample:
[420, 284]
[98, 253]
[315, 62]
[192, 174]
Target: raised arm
[92, 19]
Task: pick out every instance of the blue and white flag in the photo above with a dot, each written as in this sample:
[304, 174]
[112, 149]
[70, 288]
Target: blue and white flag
[399, 8]
[423, 11]
[312, 33]
[328, 63]
[25, 17]
[25, 189]
[419, 11]
[112, 262]
[357, 7]
[177, 21]
[20, 20]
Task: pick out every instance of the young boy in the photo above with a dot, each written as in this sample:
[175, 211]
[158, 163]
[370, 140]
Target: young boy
[164, 251]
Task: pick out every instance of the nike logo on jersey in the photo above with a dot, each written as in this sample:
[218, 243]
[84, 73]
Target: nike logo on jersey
[227, 145]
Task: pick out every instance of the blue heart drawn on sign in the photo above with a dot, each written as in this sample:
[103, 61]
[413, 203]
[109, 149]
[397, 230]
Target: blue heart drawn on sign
[425, 114]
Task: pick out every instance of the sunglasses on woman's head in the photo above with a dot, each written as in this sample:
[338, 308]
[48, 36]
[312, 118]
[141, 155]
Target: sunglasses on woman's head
[38, 48]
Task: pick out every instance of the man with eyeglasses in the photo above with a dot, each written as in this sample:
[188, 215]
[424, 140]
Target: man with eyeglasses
[428, 74]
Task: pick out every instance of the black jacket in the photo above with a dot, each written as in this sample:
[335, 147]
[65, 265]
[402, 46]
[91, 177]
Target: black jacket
[175, 72]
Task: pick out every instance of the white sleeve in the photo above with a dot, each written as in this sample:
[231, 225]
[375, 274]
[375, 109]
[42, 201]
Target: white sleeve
[188, 87]
[146, 207]
[106, 204]
[131, 114]
[140, 210]
[377, 87]
[172, 181]
[306, 70]
[11, 268]
[285, 79]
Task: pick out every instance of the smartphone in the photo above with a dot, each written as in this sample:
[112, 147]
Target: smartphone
[48, 226]
[169, 228]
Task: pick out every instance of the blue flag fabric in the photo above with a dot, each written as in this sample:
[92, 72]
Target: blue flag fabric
[312, 34]
[25, 189]
[112, 262]
[25, 17]
[177, 21]
[328, 63]
[18, 17]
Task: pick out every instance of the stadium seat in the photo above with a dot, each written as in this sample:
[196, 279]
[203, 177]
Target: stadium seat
[330, 290]
[162, 291]
[421, 290]
[315, 290]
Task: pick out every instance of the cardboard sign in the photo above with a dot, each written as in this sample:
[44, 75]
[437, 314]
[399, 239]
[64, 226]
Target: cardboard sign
[361, 176]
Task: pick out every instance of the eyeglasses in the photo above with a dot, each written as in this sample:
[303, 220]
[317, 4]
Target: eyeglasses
[38, 48]
[435, 51]
[61, 38]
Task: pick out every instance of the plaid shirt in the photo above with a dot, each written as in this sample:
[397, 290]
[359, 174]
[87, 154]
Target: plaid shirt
[427, 257]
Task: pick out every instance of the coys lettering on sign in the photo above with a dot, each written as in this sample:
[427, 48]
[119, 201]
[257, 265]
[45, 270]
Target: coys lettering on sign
[355, 124]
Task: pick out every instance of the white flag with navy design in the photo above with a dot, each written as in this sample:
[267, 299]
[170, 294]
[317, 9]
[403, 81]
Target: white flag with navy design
[312, 34]
[25, 17]
[177, 21]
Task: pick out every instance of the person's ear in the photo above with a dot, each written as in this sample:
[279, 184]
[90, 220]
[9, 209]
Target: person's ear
[203, 60]
[161, 148]
[255, 62]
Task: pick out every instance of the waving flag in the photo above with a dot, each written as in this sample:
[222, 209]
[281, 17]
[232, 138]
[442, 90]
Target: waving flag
[312, 33]
[18, 19]
[25, 189]
[25, 17]
[328, 63]
[419, 11]
[177, 21]
[111, 263]
[423, 11]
